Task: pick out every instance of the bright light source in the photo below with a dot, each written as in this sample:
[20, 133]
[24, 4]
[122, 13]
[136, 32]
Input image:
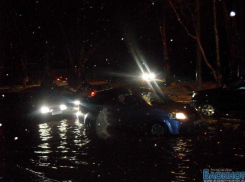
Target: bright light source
[180, 115]
[145, 76]
[15, 138]
[177, 115]
[63, 107]
[77, 102]
[152, 76]
[92, 94]
[3, 95]
[44, 110]
[148, 76]
[232, 13]
[1, 124]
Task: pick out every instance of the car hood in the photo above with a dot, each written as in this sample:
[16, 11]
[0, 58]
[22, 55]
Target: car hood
[176, 107]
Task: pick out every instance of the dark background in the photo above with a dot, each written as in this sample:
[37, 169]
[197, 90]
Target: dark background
[109, 34]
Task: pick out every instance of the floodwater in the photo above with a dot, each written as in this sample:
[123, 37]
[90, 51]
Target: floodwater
[63, 150]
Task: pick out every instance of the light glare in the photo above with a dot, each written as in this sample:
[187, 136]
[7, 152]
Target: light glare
[148, 76]
[232, 13]
[180, 116]
[77, 102]
[63, 107]
[44, 110]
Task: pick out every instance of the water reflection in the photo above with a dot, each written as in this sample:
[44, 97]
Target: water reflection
[63, 141]
[44, 131]
[65, 152]
[63, 129]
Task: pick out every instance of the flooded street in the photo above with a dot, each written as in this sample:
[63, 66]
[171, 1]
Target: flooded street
[63, 150]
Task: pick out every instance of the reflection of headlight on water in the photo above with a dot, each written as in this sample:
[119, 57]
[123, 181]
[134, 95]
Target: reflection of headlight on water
[44, 110]
[148, 76]
[77, 102]
[63, 107]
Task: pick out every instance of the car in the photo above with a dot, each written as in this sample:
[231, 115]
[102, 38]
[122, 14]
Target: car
[39, 103]
[90, 89]
[60, 81]
[136, 110]
[227, 102]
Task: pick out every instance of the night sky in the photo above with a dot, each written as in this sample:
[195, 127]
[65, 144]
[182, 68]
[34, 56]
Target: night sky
[104, 32]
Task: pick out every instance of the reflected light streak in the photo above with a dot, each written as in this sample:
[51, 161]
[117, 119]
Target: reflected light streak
[63, 129]
[44, 131]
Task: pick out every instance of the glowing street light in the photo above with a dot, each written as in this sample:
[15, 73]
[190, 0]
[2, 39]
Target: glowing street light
[232, 13]
[148, 76]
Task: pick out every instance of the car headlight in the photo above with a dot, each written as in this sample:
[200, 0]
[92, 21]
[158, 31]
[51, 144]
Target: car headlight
[77, 102]
[194, 95]
[178, 115]
[44, 110]
[63, 107]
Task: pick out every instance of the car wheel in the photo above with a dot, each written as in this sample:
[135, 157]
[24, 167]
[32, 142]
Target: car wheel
[158, 129]
[207, 110]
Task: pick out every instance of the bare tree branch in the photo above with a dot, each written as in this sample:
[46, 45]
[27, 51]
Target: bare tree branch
[180, 21]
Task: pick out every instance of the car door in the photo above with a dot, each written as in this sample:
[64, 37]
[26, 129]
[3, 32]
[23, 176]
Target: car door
[135, 113]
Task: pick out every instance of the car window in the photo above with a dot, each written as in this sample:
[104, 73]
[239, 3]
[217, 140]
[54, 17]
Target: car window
[152, 98]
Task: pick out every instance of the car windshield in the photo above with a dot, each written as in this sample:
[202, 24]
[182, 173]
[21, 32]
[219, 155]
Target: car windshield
[152, 98]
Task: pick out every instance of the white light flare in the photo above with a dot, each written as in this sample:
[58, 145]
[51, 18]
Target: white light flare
[180, 116]
[77, 102]
[148, 76]
[232, 13]
[63, 107]
[44, 110]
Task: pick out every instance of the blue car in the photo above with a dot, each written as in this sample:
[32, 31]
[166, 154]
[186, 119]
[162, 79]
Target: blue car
[136, 110]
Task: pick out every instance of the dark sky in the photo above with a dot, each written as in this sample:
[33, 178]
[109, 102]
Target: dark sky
[106, 32]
